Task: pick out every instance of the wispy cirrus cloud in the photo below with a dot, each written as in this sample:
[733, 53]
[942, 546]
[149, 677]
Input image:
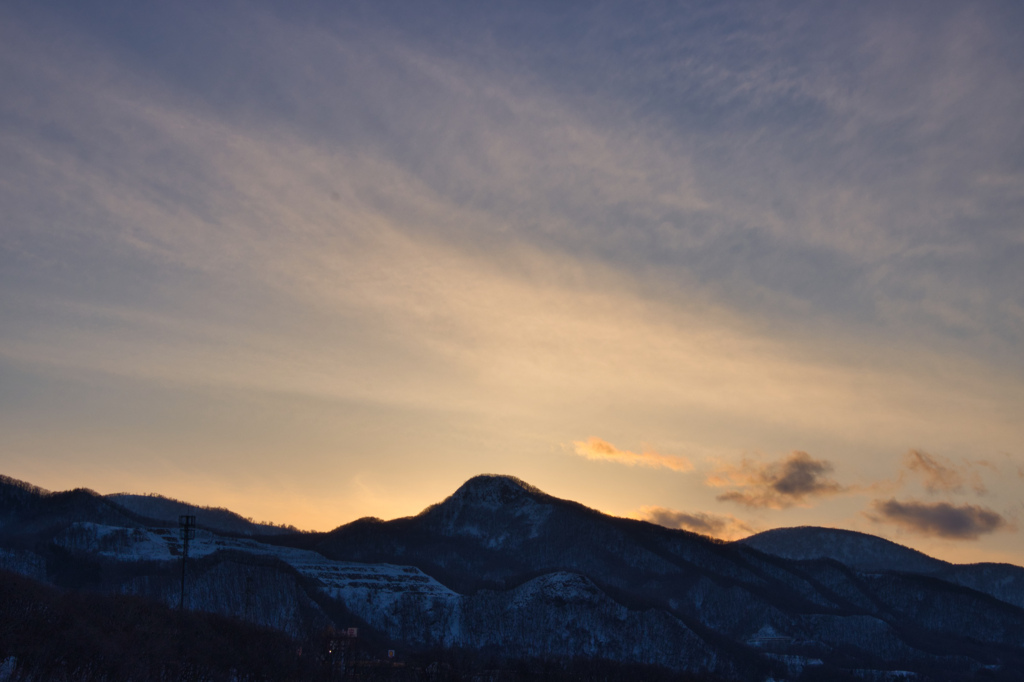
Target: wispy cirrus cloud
[776, 485]
[938, 474]
[721, 526]
[374, 214]
[603, 451]
[940, 519]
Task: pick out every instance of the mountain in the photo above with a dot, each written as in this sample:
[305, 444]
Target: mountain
[857, 550]
[873, 554]
[167, 510]
[26, 510]
[496, 533]
[504, 570]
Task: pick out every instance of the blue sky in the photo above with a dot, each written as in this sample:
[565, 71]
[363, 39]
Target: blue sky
[729, 266]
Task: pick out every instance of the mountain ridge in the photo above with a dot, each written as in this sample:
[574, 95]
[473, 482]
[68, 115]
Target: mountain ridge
[499, 563]
[161, 508]
[853, 548]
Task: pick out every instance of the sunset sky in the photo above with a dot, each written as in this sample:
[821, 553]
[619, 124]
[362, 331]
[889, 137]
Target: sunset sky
[725, 266]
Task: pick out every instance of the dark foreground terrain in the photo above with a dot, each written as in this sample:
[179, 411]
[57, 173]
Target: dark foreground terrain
[498, 582]
[55, 634]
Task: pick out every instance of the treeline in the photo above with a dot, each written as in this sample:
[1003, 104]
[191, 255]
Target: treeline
[58, 635]
[51, 634]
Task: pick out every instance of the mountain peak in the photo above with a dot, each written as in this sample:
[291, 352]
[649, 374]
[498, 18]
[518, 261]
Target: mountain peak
[493, 490]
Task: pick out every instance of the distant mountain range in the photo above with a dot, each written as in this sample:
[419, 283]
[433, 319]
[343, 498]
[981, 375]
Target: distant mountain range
[502, 569]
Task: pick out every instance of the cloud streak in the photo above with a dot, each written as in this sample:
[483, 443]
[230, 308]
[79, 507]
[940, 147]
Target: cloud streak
[602, 451]
[794, 480]
[721, 526]
[940, 519]
[939, 475]
[515, 243]
[357, 208]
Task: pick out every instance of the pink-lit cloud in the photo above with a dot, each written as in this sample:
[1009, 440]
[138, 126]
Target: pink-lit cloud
[601, 450]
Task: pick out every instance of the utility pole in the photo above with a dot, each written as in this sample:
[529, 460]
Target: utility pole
[187, 530]
[248, 598]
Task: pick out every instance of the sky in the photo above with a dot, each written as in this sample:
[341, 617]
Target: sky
[722, 266]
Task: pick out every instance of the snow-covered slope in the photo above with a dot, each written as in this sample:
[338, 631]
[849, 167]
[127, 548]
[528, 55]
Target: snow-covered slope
[343, 579]
[495, 510]
[381, 594]
[567, 614]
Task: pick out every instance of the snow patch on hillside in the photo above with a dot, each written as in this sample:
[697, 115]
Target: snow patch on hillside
[117, 542]
[382, 594]
[499, 511]
[23, 562]
[559, 587]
